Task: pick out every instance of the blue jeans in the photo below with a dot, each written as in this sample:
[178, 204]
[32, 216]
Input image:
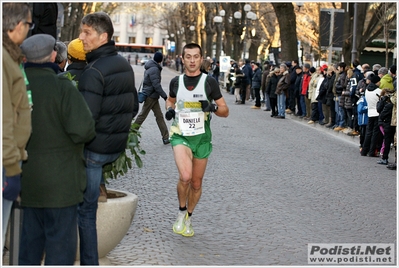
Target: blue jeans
[87, 211]
[281, 104]
[49, 230]
[303, 104]
[267, 102]
[340, 119]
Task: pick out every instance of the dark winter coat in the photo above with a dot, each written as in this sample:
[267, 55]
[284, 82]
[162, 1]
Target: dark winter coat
[283, 84]
[271, 87]
[329, 93]
[384, 108]
[76, 69]
[293, 76]
[264, 78]
[323, 91]
[346, 96]
[107, 84]
[340, 86]
[239, 77]
[44, 16]
[152, 80]
[248, 73]
[54, 175]
[257, 78]
[298, 84]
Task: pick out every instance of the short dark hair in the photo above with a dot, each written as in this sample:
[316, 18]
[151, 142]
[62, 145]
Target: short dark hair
[101, 23]
[355, 63]
[190, 46]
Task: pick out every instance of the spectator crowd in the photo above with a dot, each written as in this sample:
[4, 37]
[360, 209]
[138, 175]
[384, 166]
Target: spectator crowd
[357, 100]
[71, 106]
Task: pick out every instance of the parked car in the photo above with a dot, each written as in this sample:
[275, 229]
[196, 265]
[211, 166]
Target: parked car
[144, 60]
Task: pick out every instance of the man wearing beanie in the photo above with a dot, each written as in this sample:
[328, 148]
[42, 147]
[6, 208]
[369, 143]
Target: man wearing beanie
[153, 89]
[76, 59]
[54, 176]
[372, 94]
[107, 85]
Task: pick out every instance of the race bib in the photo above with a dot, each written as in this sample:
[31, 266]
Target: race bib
[191, 124]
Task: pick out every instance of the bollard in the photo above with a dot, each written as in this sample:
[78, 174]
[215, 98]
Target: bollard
[15, 231]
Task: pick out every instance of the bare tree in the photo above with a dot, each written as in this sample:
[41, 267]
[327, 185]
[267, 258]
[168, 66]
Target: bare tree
[370, 25]
[386, 12]
[74, 12]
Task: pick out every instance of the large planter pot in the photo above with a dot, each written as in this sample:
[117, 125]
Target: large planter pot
[114, 218]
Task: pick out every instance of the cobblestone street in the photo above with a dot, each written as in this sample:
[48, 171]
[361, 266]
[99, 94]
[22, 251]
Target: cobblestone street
[271, 187]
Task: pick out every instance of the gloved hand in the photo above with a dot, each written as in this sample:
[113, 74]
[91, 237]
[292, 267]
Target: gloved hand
[11, 187]
[208, 107]
[170, 113]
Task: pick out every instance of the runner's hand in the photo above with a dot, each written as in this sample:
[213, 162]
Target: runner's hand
[208, 107]
[170, 113]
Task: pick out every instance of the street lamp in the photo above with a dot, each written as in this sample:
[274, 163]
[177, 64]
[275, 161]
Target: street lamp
[167, 44]
[250, 16]
[172, 44]
[218, 21]
[192, 34]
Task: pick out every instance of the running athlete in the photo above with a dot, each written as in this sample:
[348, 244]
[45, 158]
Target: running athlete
[193, 96]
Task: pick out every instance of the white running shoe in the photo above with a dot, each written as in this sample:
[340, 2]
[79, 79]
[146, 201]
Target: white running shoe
[188, 229]
[178, 226]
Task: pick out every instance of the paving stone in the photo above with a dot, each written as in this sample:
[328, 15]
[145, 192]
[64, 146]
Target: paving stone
[271, 187]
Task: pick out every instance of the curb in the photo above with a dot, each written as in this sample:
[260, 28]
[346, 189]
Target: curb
[317, 126]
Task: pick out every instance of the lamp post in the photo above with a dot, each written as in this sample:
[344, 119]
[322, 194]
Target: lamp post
[193, 35]
[218, 21]
[172, 45]
[247, 9]
[167, 44]
[250, 16]
[354, 50]
[237, 32]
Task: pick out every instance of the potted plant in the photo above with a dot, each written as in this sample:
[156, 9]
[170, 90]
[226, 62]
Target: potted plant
[115, 216]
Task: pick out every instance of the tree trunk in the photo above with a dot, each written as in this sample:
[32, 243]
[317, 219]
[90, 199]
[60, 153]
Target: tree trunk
[209, 29]
[287, 21]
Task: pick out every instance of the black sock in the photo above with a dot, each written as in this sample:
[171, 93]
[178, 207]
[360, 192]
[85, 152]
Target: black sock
[183, 208]
[189, 213]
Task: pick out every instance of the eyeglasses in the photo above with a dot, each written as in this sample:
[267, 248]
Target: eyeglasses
[31, 25]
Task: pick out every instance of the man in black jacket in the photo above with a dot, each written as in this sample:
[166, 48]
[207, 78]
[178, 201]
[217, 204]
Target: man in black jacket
[153, 89]
[107, 85]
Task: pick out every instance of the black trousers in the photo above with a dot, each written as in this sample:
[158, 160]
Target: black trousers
[389, 132]
[315, 112]
[372, 136]
[273, 104]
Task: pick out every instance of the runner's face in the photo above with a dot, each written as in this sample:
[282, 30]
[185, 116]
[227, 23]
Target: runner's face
[192, 59]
